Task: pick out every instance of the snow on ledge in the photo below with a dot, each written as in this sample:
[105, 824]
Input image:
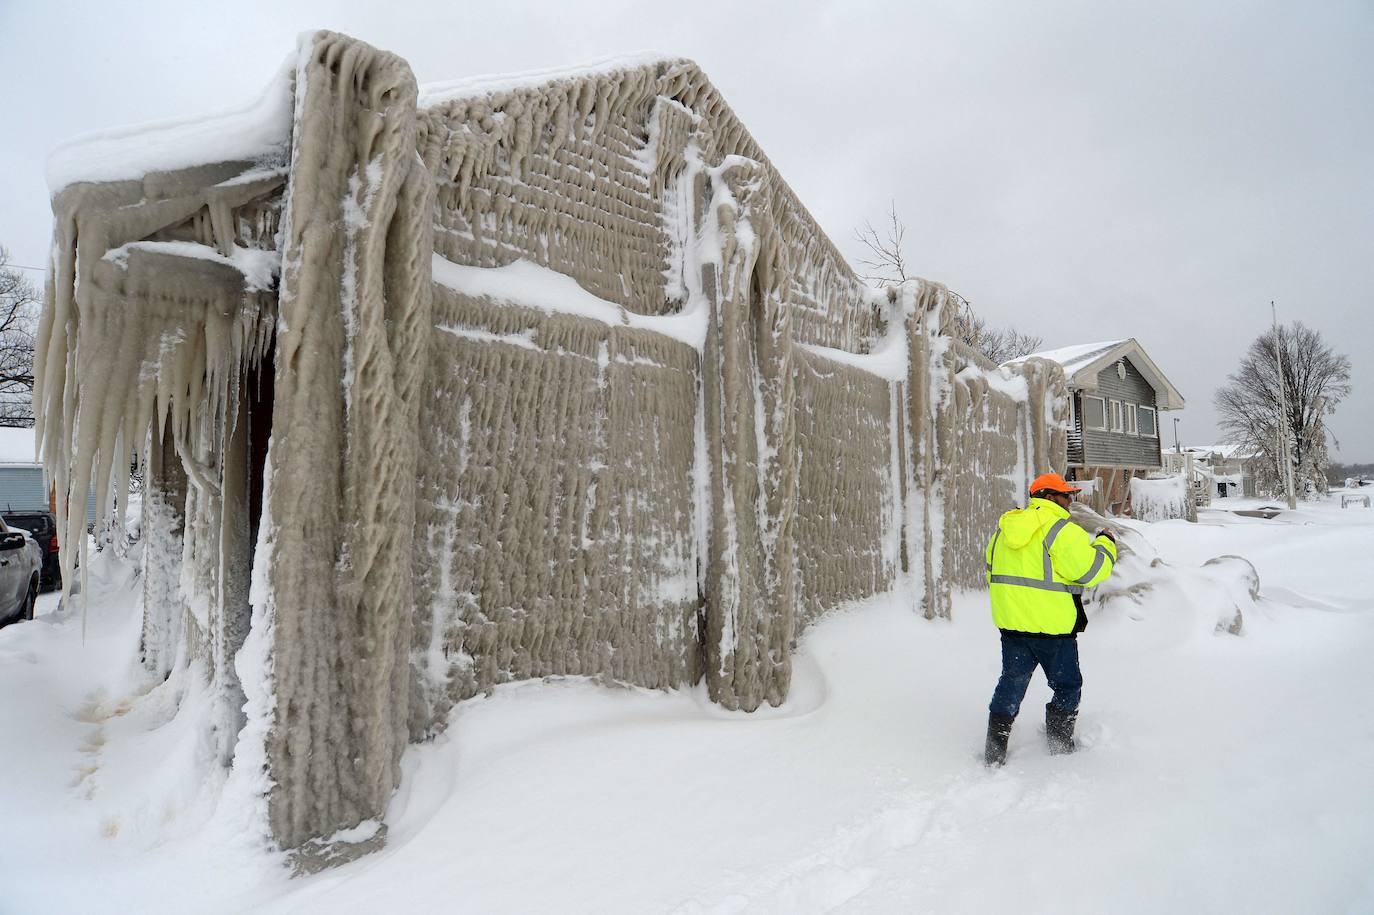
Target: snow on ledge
[889, 358]
[257, 132]
[432, 94]
[884, 362]
[259, 267]
[529, 285]
[1000, 379]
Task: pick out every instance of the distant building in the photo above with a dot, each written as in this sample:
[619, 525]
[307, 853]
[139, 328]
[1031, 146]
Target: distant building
[1226, 470]
[1116, 393]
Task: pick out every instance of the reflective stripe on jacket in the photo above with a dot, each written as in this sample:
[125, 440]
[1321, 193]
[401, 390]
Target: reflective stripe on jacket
[1036, 562]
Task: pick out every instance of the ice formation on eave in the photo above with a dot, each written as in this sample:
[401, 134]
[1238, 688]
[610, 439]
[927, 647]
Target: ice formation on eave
[162, 289]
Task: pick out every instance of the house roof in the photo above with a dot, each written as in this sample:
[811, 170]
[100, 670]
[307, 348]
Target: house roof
[1082, 362]
[1228, 451]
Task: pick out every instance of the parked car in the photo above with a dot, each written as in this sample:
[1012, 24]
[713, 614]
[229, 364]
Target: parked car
[20, 562]
[43, 526]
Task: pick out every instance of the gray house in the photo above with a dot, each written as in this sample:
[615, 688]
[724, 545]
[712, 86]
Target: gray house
[1116, 395]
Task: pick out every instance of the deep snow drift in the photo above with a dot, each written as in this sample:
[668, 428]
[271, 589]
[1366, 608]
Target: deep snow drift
[1218, 772]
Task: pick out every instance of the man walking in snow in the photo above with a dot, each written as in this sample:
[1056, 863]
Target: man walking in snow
[1038, 563]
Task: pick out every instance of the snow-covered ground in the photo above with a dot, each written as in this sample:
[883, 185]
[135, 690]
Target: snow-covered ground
[1218, 773]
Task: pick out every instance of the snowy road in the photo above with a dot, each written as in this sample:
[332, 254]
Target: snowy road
[1219, 773]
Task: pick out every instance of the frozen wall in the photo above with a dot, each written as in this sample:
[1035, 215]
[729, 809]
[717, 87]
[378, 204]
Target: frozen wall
[848, 541]
[584, 172]
[999, 429]
[544, 376]
[636, 180]
[556, 515]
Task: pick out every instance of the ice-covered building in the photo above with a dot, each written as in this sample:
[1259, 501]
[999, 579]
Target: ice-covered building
[501, 379]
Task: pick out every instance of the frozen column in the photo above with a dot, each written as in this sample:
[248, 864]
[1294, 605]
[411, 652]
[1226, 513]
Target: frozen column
[339, 518]
[750, 582]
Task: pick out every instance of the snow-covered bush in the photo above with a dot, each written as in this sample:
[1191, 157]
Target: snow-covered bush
[1159, 499]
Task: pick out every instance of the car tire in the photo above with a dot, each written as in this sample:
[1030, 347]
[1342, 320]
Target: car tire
[31, 599]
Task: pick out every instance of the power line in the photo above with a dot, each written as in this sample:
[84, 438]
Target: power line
[27, 267]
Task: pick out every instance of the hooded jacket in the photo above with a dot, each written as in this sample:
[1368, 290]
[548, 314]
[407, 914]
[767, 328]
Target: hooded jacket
[1038, 563]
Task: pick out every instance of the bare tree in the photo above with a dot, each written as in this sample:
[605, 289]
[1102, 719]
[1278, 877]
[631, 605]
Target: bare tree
[887, 264]
[19, 307]
[886, 261]
[999, 344]
[1315, 379]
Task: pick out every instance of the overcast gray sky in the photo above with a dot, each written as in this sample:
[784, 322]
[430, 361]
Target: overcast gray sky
[1084, 171]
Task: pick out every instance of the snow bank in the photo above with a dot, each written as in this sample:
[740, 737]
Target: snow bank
[1159, 499]
[881, 739]
[1212, 596]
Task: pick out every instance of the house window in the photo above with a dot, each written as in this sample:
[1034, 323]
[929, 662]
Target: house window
[1094, 413]
[1131, 419]
[1115, 414]
[1148, 425]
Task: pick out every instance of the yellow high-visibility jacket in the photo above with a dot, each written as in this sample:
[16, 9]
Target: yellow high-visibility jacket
[1038, 561]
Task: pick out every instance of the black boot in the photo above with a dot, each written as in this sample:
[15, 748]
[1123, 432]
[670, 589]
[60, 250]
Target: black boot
[999, 731]
[1059, 730]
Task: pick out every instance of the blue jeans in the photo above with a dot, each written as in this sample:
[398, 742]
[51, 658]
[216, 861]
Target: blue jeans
[1020, 656]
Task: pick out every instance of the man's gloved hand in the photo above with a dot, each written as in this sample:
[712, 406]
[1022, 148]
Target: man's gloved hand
[1108, 534]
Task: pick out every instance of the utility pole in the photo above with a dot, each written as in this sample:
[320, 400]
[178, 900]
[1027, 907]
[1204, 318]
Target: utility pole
[1284, 453]
[1177, 449]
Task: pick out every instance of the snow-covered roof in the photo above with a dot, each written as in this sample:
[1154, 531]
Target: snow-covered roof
[1073, 357]
[1228, 451]
[16, 446]
[1083, 361]
[261, 130]
[257, 132]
